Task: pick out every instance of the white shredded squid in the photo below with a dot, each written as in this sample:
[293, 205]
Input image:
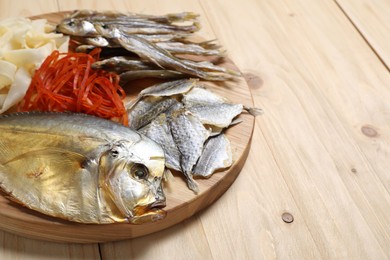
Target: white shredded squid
[24, 45]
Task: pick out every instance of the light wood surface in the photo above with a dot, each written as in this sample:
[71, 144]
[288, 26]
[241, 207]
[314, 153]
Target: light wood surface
[320, 151]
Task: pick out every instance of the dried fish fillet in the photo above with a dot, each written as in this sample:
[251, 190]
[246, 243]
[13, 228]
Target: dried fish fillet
[148, 109]
[220, 114]
[159, 131]
[189, 135]
[199, 95]
[216, 155]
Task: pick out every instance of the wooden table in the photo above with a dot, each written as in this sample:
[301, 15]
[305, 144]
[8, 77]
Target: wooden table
[320, 152]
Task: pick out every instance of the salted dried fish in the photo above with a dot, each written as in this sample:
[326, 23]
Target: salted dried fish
[216, 155]
[77, 27]
[159, 131]
[200, 95]
[141, 74]
[166, 89]
[220, 114]
[113, 15]
[164, 59]
[121, 64]
[81, 168]
[189, 48]
[189, 135]
[148, 109]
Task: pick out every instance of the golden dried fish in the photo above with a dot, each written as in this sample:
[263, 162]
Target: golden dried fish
[216, 155]
[189, 135]
[81, 168]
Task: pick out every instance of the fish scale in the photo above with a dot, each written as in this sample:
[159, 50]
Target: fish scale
[189, 135]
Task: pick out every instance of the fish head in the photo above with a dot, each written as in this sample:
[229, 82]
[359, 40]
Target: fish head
[132, 176]
[77, 27]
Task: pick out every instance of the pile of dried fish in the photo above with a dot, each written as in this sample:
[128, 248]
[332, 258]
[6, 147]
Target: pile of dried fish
[187, 120]
[141, 46]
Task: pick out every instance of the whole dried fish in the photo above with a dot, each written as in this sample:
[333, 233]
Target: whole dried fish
[166, 89]
[164, 59]
[141, 74]
[81, 168]
[189, 135]
[216, 155]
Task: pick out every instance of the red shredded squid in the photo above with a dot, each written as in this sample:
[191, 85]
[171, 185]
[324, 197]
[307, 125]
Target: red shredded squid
[68, 83]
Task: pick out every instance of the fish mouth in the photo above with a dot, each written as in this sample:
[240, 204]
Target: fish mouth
[149, 213]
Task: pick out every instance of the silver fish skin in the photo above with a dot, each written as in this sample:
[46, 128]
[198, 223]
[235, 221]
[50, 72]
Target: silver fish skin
[81, 168]
[112, 15]
[158, 130]
[164, 59]
[200, 95]
[219, 115]
[190, 48]
[77, 27]
[216, 155]
[148, 109]
[166, 89]
[121, 63]
[170, 88]
[189, 135]
[127, 76]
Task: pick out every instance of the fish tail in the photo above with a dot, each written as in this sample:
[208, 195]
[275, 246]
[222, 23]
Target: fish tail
[254, 111]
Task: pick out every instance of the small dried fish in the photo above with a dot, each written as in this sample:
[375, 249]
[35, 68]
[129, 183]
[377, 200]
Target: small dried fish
[190, 48]
[127, 76]
[216, 155]
[166, 89]
[122, 63]
[164, 59]
[189, 135]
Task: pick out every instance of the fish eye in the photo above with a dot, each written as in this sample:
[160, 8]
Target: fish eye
[104, 26]
[71, 23]
[114, 153]
[139, 171]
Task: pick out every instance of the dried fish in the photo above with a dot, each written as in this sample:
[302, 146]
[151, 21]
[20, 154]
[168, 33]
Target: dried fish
[220, 114]
[216, 155]
[81, 168]
[148, 109]
[159, 131]
[164, 59]
[189, 135]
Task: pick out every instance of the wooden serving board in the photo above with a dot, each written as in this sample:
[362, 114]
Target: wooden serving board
[182, 203]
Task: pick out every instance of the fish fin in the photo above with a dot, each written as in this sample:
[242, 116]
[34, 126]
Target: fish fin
[191, 183]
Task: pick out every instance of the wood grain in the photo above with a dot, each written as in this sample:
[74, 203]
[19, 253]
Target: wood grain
[181, 202]
[319, 152]
[372, 19]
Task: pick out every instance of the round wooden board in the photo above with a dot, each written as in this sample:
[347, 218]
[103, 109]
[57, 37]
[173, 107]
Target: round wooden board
[182, 203]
